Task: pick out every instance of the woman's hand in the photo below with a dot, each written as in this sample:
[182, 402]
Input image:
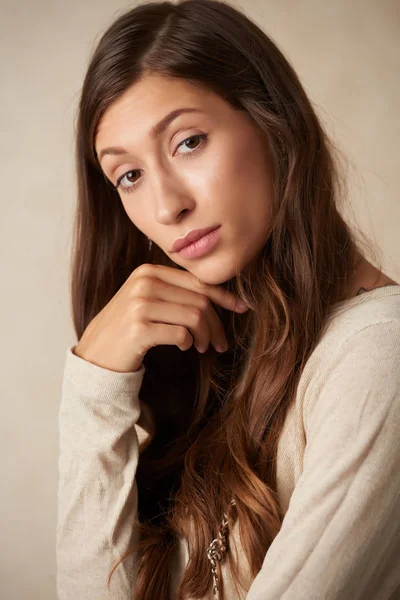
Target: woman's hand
[156, 305]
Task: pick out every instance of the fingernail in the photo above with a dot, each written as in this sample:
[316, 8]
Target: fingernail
[241, 305]
[222, 348]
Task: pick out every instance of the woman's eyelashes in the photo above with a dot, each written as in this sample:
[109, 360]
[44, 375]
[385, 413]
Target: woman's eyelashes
[130, 188]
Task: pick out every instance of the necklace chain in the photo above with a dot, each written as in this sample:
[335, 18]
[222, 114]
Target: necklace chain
[217, 550]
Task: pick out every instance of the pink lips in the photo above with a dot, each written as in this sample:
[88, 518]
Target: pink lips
[190, 237]
[202, 246]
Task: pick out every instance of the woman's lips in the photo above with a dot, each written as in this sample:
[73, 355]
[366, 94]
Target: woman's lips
[190, 237]
[202, 246]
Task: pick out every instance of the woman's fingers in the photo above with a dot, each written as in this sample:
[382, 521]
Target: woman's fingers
[156, 305]
[170, 313]
[187, 280]
[200, 307]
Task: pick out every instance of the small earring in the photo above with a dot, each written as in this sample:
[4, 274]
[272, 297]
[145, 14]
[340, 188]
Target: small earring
[150, 244]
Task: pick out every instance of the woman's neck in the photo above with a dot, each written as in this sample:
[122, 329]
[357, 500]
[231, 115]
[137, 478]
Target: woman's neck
[366, 277]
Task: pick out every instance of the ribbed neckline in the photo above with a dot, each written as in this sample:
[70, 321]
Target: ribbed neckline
[380, 292]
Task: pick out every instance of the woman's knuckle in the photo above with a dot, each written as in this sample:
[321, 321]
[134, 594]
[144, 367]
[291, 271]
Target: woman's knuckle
[143, 285]
[182, 335]
[139, 305]
[204, 302]
[143, 269]
[197, 315]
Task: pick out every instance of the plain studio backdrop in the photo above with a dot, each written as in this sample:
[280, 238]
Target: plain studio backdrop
[347, 56]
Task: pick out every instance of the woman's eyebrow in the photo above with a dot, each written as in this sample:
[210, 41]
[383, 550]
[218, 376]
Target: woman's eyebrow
[154, 132]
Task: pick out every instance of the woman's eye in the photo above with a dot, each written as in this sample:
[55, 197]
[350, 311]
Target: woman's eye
[126, 187]
[129, 188]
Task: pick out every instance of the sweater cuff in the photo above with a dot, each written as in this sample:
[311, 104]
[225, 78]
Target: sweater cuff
[97, 381]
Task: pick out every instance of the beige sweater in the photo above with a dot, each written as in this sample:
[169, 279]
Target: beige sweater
[338, 472]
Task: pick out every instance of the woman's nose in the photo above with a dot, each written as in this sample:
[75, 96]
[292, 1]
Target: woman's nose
[170, 200]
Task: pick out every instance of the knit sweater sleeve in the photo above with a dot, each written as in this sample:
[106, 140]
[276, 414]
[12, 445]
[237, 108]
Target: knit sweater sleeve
[340, 537]
[97, 494]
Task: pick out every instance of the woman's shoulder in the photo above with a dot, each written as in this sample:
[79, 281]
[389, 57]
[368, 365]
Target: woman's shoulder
[371, 308]
[361, 335]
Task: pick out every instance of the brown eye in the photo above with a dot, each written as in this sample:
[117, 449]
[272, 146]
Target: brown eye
[129, 176]
[189, 140]
[185, 143]
[130, 180]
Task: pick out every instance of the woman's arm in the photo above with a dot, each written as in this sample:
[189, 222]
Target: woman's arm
[97, 495]
[340, 538]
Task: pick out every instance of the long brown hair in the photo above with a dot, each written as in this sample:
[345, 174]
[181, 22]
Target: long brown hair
[217, 418]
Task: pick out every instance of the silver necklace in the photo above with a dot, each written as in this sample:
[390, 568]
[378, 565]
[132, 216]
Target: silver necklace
[217, 550]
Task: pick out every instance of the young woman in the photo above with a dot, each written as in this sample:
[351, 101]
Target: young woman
[210, 450]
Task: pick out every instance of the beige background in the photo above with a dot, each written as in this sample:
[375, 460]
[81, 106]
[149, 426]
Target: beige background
[347, 55]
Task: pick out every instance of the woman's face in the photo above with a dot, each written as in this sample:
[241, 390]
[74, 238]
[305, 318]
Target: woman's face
[169, 184]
